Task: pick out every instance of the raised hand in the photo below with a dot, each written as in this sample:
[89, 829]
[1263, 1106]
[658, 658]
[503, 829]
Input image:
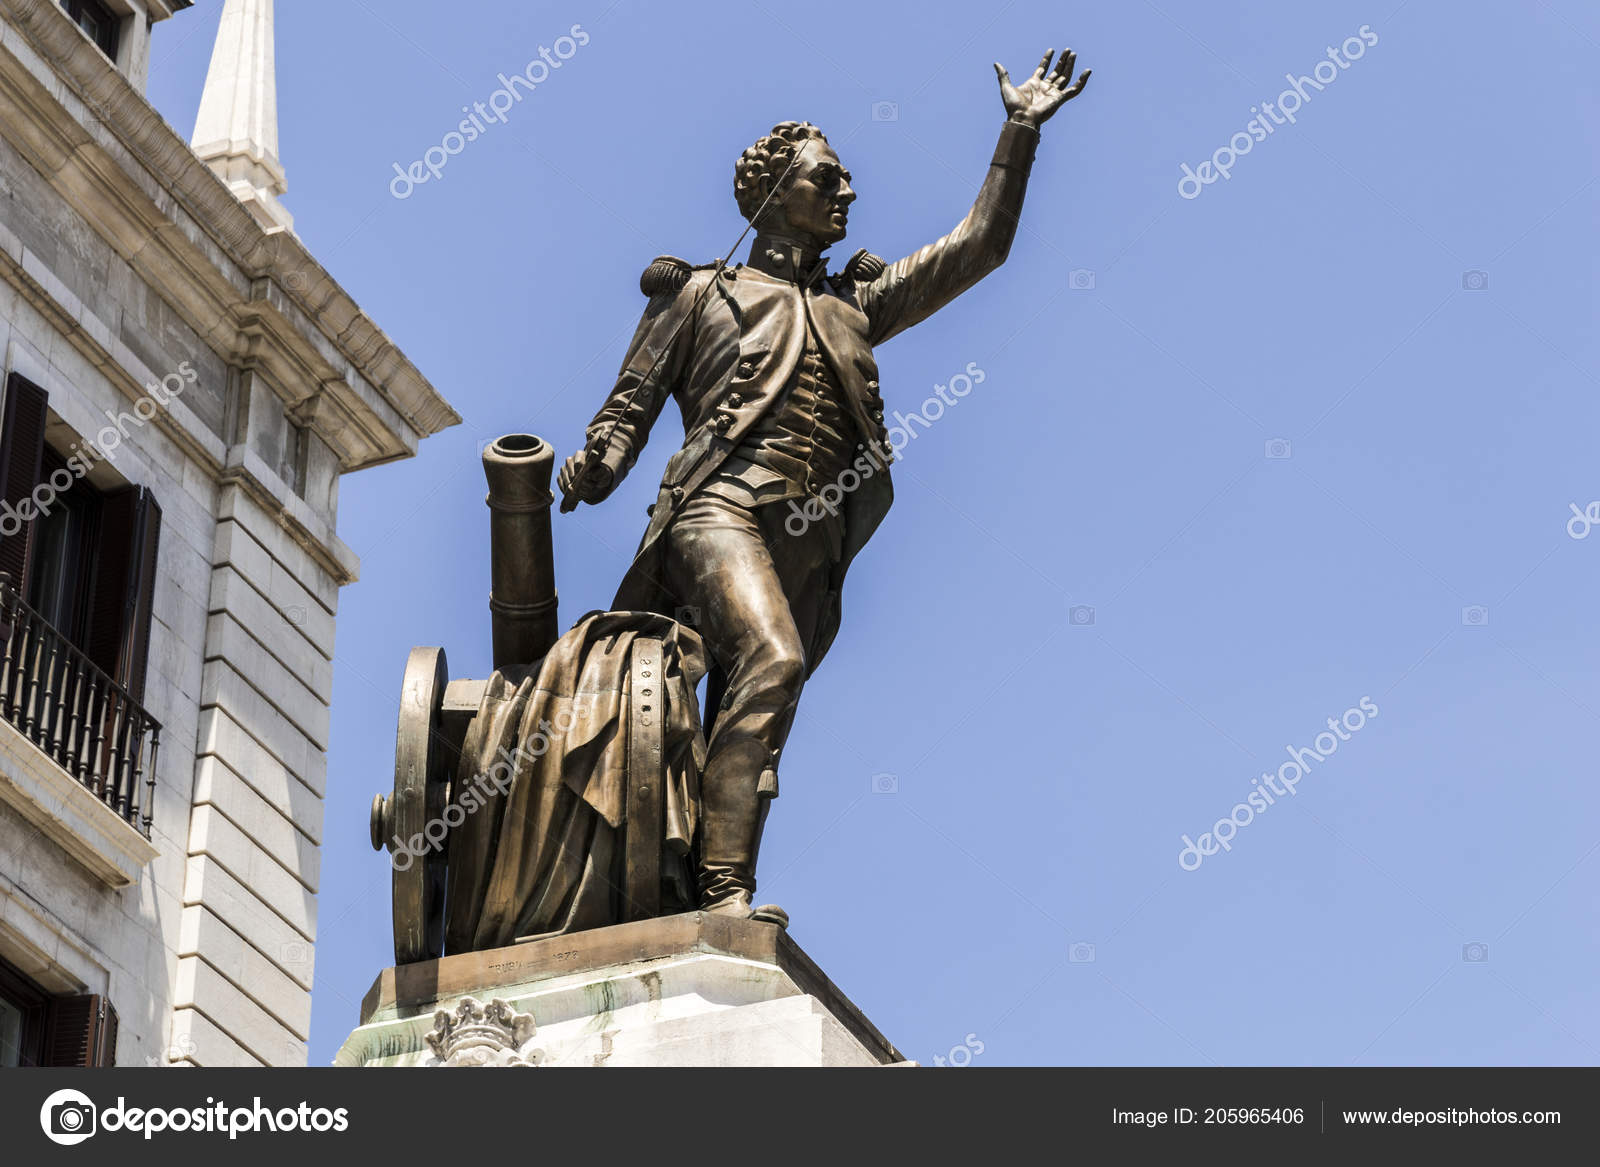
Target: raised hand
[1034, 101]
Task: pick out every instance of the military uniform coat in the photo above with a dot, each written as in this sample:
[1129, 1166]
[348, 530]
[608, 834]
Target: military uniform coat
[730, 364]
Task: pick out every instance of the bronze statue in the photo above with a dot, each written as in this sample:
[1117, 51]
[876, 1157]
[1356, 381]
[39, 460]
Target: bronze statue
[771, 364]
[575, 788]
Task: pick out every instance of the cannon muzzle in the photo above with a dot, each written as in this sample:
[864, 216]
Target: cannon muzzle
[522, 567]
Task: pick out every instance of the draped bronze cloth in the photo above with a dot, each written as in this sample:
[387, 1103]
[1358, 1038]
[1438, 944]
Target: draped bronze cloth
[542, 787]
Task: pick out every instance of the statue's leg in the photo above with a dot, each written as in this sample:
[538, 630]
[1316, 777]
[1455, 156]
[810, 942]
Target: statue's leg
[717, 559]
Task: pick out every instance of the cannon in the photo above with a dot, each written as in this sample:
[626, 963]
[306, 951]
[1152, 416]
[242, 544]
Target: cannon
[522, 565]
[435, 712]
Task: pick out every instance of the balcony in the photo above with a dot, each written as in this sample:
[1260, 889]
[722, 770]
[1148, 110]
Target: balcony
[77, 715]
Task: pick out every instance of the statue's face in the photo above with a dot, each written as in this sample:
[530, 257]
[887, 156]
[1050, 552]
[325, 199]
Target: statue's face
[818, 196]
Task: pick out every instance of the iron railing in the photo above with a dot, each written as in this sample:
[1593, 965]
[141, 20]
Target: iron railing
[65, 704]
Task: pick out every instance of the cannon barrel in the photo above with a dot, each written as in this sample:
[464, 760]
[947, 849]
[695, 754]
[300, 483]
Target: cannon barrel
[522, 568]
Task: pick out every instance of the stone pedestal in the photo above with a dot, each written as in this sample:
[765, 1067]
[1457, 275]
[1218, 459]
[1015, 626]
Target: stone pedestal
[689, 990]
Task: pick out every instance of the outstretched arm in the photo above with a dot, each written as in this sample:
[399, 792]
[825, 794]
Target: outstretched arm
[912, 289]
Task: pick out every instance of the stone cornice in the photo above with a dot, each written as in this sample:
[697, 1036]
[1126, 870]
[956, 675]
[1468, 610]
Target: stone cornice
[257, 297]
[227, 465]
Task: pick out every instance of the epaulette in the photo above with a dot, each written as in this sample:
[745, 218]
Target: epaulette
[666, 273]
[863, 268]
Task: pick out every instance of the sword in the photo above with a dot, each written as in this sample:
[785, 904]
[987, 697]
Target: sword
[594, 453]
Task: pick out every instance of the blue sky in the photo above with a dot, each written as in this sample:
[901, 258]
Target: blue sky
[1117, 457]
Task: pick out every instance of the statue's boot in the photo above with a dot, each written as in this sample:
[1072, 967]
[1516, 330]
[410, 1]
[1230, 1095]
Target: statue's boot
[732, 815]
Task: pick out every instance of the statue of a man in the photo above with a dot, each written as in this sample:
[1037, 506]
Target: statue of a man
[771, 364]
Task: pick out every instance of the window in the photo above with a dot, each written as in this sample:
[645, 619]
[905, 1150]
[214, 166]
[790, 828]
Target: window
[22, 1013]
[82, 558]
[77, 576]
[101, 24]
[38, 1029]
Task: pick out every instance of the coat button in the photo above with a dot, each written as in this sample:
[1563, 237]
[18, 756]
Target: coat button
[677, 495]
[735, 399]
[872, 386]
[877, 416]
[723, 423]
[747, 369]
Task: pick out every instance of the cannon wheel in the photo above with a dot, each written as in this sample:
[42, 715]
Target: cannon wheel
[421, 793]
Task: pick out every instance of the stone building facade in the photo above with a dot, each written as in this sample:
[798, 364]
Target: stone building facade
[183, 387]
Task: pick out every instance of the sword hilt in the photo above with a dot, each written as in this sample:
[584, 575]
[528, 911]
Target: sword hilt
[592, 459]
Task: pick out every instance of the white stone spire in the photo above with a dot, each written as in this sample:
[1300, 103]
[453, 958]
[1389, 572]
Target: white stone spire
[236, 131]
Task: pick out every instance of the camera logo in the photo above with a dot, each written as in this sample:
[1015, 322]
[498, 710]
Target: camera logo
[885, 784]
[1475, 281]
[1475, 616]
[1081, 953]
[294, 952]
[1080, 615]
[886, 111]
[1475, 953]
[68, 1117]
[1080, 279]
[1279, 448]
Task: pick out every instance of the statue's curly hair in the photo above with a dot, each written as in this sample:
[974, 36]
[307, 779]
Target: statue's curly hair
[764, 163]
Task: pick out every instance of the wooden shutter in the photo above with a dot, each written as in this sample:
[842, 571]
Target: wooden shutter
[80, 1031]
[22, 420]
[113, 575]
[147, 546]
[125, 574]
